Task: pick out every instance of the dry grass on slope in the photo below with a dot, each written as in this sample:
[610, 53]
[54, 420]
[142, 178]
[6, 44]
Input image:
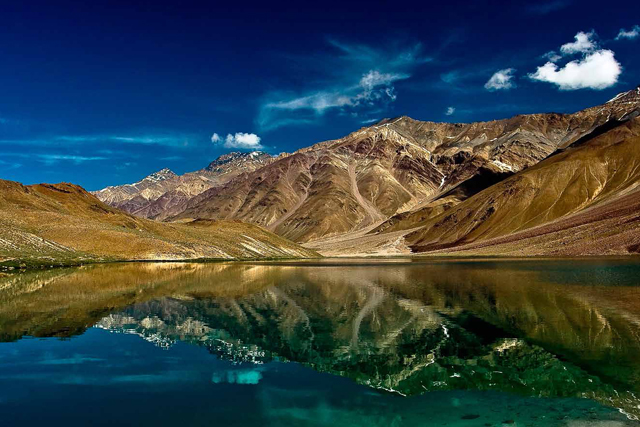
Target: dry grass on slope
[597, 172]
[611, 228]
[63, 223]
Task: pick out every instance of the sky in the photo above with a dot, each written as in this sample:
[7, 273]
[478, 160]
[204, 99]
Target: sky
[103, 93]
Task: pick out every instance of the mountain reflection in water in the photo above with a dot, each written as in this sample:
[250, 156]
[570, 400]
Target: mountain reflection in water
[544, 328]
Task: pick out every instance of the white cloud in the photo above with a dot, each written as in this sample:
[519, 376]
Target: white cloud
[501, 80]
[632, 34]
[597, 70]
[450, 111]
[584, 43]
[241, 140]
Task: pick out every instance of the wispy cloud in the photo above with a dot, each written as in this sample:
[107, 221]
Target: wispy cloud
[584, 42]
[632, 34]
[450, 111]
[55, 158]
[355, 79]
[501, 80]
[240, 140]
[596, 69]
[543, 8]
[552, 56]
[9, 165]
[473, 79]
[178, 140]
[65, 140]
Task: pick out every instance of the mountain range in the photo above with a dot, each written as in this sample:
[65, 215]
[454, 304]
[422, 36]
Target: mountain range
[538, 184]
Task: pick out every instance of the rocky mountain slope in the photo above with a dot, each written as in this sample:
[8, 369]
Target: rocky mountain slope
[591, 183]
[399, 174]
[155, 195]
[62, 223]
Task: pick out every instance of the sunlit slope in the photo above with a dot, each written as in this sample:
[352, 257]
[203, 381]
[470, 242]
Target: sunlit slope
[396, 174]
[587, 175]
[63, 222]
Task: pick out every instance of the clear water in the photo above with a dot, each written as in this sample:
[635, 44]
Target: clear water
[400, 342]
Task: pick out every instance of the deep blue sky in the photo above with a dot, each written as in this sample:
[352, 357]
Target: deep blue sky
[101, 93]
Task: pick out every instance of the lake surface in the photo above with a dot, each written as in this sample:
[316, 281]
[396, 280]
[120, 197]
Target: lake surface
[399, 342]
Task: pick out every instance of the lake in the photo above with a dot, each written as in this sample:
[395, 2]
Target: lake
[332, 342]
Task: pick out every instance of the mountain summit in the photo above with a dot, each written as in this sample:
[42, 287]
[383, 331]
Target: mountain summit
[238, 160]
[161, 175]
[154, 195]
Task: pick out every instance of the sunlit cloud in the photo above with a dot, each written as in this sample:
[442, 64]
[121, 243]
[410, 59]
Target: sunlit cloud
[473, 78]
[450, 111]
[584, 42]
[501, 80]
[596, 69]
[239, 140]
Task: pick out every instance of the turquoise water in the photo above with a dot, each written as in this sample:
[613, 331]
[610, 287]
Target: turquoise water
[376, 343]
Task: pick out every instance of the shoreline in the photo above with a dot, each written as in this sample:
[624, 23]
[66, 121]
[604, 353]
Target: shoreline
[14, 265]
[20, 265]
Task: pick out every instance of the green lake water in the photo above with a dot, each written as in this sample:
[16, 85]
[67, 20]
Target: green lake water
[394, 342]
